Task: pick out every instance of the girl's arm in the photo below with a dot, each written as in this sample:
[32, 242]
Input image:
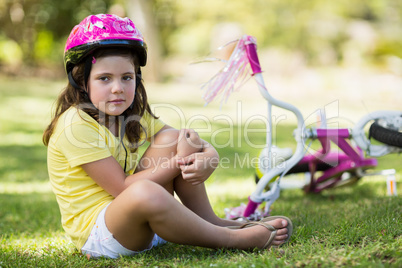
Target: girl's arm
[159, 165]
[197, 167]
[109, 175]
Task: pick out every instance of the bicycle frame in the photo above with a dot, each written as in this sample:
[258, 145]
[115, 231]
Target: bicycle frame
[351, 160]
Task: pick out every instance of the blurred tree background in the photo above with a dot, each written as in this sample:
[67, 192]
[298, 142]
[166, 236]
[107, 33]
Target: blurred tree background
[343, 32]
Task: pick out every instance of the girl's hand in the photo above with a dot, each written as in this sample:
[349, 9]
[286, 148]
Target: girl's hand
[197, 167]
[188, 143]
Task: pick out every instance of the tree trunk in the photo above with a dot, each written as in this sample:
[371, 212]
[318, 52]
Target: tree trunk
[140, 12]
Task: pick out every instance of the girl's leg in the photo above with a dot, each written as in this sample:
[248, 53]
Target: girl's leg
[145, 207]
[161, 149]
[193, 197]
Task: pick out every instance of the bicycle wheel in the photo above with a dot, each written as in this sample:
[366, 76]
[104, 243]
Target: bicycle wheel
[385, 135]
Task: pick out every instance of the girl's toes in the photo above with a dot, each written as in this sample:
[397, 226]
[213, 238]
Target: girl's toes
[282, 231]
[281, 237]
[278, 242]
[279, 224]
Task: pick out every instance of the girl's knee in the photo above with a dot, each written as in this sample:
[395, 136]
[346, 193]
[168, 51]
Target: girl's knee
[147, 195]
[167, 138]
[163, 147]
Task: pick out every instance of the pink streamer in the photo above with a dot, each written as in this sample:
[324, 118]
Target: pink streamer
[236, 69]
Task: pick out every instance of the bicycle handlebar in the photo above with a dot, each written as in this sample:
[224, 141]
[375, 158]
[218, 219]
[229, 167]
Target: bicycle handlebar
[251, 50]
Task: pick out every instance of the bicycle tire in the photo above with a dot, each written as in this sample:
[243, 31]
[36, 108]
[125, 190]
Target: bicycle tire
[385, 135]
[300, 168]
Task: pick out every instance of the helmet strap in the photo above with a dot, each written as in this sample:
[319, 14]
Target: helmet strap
[138, 79]
[72, 81]
[87, 71]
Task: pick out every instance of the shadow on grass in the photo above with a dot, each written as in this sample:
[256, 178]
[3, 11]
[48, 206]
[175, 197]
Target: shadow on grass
[20, 163]
[33, 214]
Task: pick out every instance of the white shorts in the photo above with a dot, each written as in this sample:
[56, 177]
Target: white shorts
[101, 242]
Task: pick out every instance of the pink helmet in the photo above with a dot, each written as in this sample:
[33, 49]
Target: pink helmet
[102, 30]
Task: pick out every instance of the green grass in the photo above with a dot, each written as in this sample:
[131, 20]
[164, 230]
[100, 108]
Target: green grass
[354, 226]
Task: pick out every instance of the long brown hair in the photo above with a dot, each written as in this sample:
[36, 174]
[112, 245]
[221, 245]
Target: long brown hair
[79, 98]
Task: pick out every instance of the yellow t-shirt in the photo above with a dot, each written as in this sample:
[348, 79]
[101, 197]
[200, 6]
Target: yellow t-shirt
[76, 140]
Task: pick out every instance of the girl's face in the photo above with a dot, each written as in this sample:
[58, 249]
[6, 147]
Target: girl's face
[112, 84]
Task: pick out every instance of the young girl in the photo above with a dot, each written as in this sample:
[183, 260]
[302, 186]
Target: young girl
[111, 202]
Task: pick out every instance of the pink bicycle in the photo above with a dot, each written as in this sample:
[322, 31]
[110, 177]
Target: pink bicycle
[326, 168]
